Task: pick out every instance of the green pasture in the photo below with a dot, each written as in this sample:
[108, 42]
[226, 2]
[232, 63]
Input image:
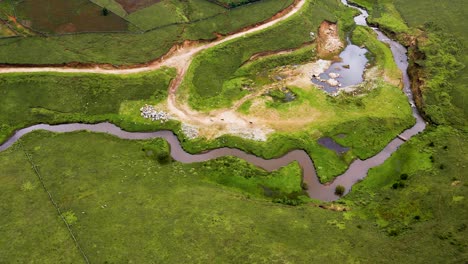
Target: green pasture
[124, 206]
[56, 98]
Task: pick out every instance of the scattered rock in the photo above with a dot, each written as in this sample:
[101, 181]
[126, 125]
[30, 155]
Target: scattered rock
[346, 66]
[328, 40]
[191, 132]
[333, 82]
[334, 75]
[149, 112]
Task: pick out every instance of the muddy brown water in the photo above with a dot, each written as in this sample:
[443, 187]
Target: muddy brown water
[356, 171]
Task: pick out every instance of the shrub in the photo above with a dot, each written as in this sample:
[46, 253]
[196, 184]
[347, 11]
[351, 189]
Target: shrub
[164, 157]
[404, 176]
[339, 190]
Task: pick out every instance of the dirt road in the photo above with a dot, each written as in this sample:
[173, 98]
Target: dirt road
[215, 123]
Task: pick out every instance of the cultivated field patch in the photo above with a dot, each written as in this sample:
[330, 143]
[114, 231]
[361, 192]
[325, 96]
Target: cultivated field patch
[58, 16]
[135, 5]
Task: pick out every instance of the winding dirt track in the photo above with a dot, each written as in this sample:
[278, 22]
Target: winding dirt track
[180, 59]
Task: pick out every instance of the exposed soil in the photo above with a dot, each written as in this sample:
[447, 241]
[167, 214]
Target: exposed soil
[328, 40]
[416, 73]
[135, 5]
[302, 75]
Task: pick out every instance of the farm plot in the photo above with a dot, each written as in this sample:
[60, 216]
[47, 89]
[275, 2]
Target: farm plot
[59, 16]
[135, 5]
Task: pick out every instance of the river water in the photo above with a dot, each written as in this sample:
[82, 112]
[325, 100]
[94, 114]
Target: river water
[357, 170]
[350, 69]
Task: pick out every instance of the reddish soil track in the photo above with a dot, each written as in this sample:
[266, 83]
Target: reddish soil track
[180, 57]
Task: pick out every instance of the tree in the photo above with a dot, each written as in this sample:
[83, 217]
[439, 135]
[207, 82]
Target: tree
[339, 190]
[105, 11]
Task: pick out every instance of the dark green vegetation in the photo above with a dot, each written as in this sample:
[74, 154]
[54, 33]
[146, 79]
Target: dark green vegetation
[211, 79]
[57, 98]
[152, 35]
[423, 184]
[234, 3]
[129, 207]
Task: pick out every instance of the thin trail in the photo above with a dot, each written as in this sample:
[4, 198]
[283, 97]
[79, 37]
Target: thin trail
[180, 59]
[57, 208]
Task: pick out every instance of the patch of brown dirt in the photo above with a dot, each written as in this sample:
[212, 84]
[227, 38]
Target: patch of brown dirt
[328, 40]
[66, 28]
[135, 5]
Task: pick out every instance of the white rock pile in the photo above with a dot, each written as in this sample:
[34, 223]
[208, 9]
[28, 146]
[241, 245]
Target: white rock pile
[189, 131]
[149, 112]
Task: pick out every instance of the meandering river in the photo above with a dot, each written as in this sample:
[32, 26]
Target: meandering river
[357, 170]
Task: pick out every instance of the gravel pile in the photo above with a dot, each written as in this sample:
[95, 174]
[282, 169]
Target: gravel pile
[190, 132]
[149, 112]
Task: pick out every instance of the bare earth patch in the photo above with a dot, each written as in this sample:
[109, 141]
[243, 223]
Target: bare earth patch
[135, 5]
[328, 41]
[302, 75]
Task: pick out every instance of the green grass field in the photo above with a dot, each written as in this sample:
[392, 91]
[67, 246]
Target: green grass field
[56, 98]
[130, 208]
[127, 203]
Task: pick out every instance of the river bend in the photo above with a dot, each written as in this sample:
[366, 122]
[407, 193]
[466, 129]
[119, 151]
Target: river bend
[356, 171]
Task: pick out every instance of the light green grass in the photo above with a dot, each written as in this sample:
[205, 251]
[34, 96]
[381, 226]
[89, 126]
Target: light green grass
[56, 98]
[383, 55]
[28, 217]
[157, 15]
[136, 210]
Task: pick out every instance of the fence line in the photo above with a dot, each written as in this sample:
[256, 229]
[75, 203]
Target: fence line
[39, 176]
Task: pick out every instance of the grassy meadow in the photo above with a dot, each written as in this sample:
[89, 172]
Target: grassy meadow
[124, 206]
[127, 202]
[57, 98]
